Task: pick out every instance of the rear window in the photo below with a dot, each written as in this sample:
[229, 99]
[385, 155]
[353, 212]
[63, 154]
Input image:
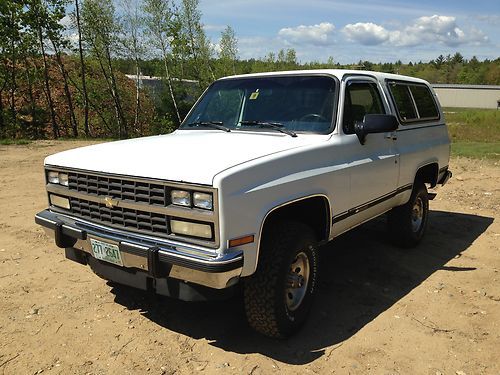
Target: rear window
[413, 102]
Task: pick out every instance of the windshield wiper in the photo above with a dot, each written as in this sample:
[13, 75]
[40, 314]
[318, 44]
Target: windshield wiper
[271, 125]
[211, 124]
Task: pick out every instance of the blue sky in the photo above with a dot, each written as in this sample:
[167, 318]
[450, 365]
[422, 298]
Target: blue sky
[349, 31]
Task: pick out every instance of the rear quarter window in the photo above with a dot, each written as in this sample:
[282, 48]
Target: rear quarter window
[414, 102]
[425, 102]
[403, 101]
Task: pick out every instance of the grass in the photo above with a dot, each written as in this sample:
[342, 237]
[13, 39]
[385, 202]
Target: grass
[475, 133]
[23, 141]
[476, 150]
[6, 141]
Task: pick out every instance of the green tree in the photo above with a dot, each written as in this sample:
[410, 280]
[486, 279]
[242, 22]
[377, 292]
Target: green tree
[457, 58]
[11, 17]
[291, 58]
[40, 21]
[199, 47]
[82, 70]
[228, 51]
[159, 21]
[56, 11]
[100, 31]
[132, 27]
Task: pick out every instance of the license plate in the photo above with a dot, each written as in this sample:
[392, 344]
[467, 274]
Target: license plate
[106, 252]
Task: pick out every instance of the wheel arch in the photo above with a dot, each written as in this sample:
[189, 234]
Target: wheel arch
[428, 173]
[302, 209]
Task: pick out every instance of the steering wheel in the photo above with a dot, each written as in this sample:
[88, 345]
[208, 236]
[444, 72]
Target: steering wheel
[314, 116]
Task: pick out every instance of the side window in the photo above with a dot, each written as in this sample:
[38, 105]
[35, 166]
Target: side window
[403, 101]
[414, 102]
[361, 98]
[425, 102]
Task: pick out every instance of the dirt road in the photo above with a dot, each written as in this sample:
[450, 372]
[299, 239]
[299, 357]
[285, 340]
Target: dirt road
[432, 310]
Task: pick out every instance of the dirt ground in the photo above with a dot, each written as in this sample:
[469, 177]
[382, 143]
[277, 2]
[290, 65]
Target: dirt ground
[431, 310]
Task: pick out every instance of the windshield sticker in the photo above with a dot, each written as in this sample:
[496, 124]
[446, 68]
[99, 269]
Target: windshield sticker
[254, 95]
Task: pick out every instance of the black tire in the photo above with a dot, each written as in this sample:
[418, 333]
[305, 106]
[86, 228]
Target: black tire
[276, 303]
[407, 223]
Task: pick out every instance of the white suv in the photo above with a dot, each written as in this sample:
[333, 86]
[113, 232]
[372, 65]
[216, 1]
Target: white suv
[264, 168]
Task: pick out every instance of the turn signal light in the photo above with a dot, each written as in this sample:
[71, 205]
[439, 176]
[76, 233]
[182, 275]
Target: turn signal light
[241, 241]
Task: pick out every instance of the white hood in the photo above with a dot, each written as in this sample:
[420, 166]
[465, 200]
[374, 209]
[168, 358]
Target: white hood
[194, 156]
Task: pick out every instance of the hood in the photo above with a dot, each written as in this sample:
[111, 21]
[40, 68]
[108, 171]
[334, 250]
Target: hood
[193, 156]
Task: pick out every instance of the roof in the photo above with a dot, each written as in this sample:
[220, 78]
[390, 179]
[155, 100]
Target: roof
[469, 87]
[339, 73]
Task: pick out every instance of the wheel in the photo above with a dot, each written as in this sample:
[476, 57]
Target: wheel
[407, 223]
[278, 296]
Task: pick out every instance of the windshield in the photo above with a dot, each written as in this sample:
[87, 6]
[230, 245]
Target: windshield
[294, 103]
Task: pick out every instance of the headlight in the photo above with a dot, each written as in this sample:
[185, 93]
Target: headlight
[63, 179]
[181, 198]
[191, 229]
[58, 201]
[58, 178]
[203, 200]
[53, 177]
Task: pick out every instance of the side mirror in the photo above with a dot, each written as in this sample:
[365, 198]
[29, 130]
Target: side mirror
[375, 123]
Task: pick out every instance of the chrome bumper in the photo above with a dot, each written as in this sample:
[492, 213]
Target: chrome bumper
[157, 258]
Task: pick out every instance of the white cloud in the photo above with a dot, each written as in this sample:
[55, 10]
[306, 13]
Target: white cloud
[256, 46]
[424, 30]
[215, 28]
[320, 34]
[492, 19]
[366, 33]
[66, 21]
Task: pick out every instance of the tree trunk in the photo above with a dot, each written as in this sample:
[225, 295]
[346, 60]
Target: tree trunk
[93, 105]
[116, 95]
[211, 70]
[69, 100]
[13, 86]
[137, 97]
[169, 82]
[50, 103]
[2, 118]
[105, 74]
[82, 66]
[112, 88]
[2, 121]
[34, 121]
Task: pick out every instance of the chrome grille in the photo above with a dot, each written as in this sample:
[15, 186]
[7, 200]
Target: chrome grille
[123, 189]
[133, 203]
[141, 220]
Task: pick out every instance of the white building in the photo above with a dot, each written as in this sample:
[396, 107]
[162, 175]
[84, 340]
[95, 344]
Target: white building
[468, 96]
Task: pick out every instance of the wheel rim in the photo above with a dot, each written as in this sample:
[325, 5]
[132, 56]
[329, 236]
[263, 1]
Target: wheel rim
[417, 215]
[297, 281]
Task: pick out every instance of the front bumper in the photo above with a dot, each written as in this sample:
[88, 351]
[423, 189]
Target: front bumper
[150, 258]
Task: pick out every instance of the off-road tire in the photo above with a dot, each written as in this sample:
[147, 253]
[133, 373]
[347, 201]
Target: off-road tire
[265, 301]
[406, 227]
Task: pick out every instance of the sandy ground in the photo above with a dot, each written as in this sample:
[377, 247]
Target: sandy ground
[381, 310]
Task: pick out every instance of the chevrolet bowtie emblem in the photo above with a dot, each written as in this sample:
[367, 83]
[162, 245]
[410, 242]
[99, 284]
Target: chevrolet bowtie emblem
[110, 202]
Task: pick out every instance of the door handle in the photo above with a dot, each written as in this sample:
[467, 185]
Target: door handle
[391, 135]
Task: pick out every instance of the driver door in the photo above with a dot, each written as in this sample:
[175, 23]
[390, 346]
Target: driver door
[374, 166]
